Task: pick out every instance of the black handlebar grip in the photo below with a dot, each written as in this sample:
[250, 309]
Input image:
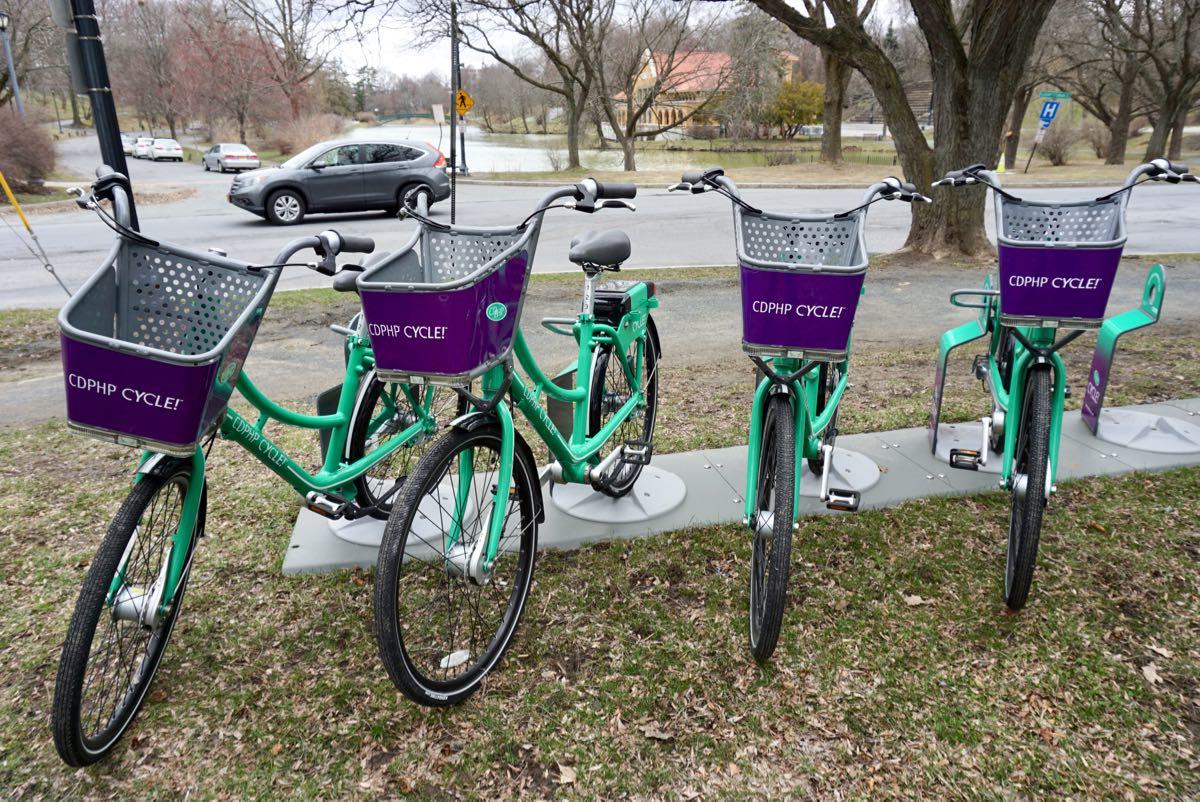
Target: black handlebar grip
[615, 190]
[353, 243]
[908, 187]
[1177, 167]
[692, 176]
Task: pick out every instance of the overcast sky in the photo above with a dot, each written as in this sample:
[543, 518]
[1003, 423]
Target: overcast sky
[389, 46]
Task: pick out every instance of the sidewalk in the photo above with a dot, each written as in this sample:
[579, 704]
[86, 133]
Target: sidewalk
[715, 480]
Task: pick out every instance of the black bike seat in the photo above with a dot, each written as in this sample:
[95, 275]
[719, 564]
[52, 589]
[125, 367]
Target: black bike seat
[600, 248]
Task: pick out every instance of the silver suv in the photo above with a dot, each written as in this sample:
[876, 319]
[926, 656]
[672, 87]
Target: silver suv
[342, 176]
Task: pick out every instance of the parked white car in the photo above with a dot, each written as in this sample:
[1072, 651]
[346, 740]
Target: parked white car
[127, 144]
[166, 149]
[230, 156]
[141, 147]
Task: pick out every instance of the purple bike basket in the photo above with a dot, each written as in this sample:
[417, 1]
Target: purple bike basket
[452, 312]
[153, 343]
[1058, 261]
[801, 280]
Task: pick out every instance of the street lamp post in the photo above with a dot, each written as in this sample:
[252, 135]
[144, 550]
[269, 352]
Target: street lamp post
[12, 70]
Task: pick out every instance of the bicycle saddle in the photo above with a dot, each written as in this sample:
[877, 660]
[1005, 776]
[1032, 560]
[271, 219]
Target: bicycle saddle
[345, 280]
[604, 249]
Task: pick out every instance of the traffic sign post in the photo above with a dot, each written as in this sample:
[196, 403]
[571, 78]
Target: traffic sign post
[89, 76]
[463, 102]
[1051, 103]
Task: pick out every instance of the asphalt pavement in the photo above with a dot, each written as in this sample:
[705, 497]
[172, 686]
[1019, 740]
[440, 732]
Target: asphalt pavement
[667, 230]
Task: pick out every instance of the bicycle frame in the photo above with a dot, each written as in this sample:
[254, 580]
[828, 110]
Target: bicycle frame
[335, 476]
[577, 453]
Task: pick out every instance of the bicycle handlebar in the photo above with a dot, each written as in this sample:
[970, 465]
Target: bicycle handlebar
[615, 191]
[353, 243]
[714, 178]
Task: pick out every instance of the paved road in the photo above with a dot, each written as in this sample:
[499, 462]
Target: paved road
[667, 229]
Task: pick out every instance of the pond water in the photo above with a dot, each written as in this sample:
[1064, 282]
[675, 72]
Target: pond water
[511, 153]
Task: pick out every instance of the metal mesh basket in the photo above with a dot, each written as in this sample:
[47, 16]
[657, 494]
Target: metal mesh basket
[801, 279]
[450, 256]
[776, 240]
[447, 308]
[154, 342]
[1058, 261]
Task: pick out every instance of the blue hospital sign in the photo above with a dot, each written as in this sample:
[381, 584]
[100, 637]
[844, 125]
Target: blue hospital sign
[1049, 109]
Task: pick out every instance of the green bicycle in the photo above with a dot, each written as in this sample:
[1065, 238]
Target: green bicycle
[801, 278]
[458, 551]
[153, 346]
[1057, 265]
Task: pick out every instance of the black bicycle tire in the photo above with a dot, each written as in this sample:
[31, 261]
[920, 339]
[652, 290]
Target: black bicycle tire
[596, 397]
[69, 739]
[778, 443]
[1021, 552]
[390, 564]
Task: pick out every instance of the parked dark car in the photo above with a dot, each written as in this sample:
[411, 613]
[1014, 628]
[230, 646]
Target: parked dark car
[342, 176]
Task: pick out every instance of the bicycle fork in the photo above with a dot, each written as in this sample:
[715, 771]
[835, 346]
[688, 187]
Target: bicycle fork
[149, 606]
[1025, 361]
[474, 561]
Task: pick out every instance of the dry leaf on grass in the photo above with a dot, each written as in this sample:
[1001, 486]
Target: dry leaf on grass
[915, 600]
[1150, 672]
[656, 732]
[566, 775]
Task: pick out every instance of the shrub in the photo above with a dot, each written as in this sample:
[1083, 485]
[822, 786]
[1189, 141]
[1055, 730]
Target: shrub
[775, 158]
[26, 151]
[367, 117]
[1056, 145]
[293, 136]
[1097, 136]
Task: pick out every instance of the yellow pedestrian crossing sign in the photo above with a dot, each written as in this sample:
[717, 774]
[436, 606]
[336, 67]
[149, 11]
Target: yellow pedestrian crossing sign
[463, 102]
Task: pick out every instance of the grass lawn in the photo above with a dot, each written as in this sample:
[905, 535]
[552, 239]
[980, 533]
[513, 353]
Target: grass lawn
[899, 673]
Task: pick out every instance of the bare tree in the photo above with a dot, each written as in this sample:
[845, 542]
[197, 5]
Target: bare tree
[562, 34]
[1098, 60]
[297, 44]
[977, 56]
[646, 56]
[29, 27]
[1168, 41]
[837, 77]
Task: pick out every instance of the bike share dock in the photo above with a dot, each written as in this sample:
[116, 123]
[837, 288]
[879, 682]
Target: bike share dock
[888, 468]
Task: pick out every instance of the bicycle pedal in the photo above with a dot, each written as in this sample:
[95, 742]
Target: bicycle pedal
[637, 452]
[1067, 391]
[979, 366]
[843, 500]
[966, 459]
[325, 506]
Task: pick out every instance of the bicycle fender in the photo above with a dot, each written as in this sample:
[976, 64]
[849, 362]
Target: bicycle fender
[521, 450]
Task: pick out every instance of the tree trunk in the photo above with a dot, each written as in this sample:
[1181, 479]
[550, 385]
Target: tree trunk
[837, 76]
[75, 121]
[629, 153]
[1118, 129]
[241, 121]
[1012, 137]
[573, 113]
[1175, 149]
[1156, 147]
[600, 132]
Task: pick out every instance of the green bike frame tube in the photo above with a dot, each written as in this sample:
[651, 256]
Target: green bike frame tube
[578, 452]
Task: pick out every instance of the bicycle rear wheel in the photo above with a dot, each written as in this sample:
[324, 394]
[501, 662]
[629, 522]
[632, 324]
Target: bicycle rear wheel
[1030, 468]
[610, 390]
[770, 559]
[442, 623]
[382, 410]
[116, 641]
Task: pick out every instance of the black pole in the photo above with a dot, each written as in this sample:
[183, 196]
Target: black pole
[99, 90]
[453, 106]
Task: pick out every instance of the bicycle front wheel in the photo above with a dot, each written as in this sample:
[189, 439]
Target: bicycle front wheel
[443, 617]
[611, 389]
[770, 559]
[117, 636]
[1031, 464]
